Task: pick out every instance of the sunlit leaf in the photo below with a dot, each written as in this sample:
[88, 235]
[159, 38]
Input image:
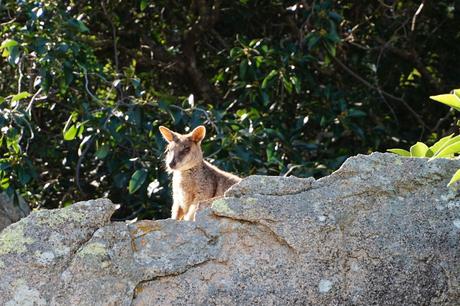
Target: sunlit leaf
[4, 183]
[143, 5]
[453, 148]
[418, 150]
[268, 78]
[435, 147]
[446, 144]
[20, 96]
[8, 43]
[136, 181]
[451, 100]
[456, 92]
[455, 178]
[70, 133]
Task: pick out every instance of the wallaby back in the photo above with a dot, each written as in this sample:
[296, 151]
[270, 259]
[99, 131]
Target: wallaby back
[194, 179]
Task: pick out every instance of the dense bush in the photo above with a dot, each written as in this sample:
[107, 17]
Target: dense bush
[284, 87]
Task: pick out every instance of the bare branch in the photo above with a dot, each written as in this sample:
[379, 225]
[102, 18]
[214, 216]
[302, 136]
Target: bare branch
[32, 100]
[419, 10]
[114, 35]
[80, 160]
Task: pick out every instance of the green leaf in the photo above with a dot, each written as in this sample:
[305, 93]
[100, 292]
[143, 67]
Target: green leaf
[102, 152]
[296, 82]
[243, 68]
[136, 181]
[353, 112]
[455, 177]
[435, 147]
[13, 57]
[418, 150]
[287, 85]
[313, 41]
[82, 27]
[71, 133]
[456, 92]
[267, 79]
[265, 97]
[13, 143]
[143, 5]
[4, 165]
[78, 24]
[24, 176]
[449, 99]
[120, 180]
[4, 183]
[8, 43]
[453, 148]
[401, 152]
[20, 96]
[446, 144]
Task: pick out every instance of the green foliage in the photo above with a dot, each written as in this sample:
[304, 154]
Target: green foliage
[287, 87]
[452, 99]
[446, 147]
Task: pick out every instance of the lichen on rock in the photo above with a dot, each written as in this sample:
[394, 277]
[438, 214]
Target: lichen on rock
[93, 249]
[221, 206]
[25, 296]
[13, 240]
[59, 217]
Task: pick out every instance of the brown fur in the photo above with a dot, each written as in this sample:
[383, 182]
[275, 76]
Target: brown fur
[194, 179]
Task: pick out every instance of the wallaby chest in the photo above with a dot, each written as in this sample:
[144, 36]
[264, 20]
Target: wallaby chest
[189, 187]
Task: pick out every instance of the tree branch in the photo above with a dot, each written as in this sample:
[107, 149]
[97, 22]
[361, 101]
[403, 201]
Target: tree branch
[380, 91]
[205, 21]
[412, 57]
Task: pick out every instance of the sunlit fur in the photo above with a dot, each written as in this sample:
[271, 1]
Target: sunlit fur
[184, 152]
[194, 179]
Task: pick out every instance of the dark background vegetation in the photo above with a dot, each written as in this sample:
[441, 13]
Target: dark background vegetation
[283, 87]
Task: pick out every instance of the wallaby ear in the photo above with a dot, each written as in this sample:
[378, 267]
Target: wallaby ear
[198, 133]
[167, 134]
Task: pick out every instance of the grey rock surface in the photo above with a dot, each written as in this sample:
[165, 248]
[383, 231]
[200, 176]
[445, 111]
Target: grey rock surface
[382, 230]
[10, 212]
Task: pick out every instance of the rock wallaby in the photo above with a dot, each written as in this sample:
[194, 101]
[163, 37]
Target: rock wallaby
[194, 179]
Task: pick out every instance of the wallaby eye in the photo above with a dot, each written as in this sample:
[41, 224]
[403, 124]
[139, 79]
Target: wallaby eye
[186, 150]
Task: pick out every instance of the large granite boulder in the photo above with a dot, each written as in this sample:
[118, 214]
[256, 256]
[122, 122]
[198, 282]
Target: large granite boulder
[381, 230]
[10, 211]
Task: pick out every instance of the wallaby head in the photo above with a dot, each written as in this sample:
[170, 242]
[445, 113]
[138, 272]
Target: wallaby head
[184, 150]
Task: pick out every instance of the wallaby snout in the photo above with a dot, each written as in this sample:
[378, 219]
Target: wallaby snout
[172, 164]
